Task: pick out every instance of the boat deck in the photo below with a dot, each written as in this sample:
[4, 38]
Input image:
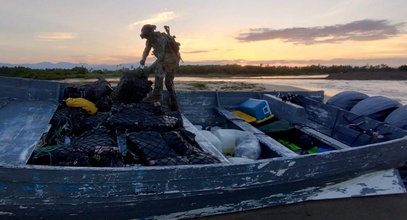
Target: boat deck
[26, 107]
[22, 123]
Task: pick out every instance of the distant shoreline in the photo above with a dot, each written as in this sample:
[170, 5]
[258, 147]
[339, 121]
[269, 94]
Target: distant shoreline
[379, 75]
[390, 75]
[224, 71]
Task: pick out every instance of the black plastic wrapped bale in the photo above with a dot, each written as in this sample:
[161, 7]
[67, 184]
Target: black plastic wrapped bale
[97, 92]
[146, 107]
[71, 157]
[92, 148]
[100, 147]
[202, 158]
[179, 144]
[159, 123]
[63, 116]
[141, 116]
[59, 155]
[106, 156]
[176, 114]
[75, 121]
[102, 91]
[66, 122]
[127, 119]
[189, 136]
[104, 103]
[96, 121]
[132, 88]
[149, 145]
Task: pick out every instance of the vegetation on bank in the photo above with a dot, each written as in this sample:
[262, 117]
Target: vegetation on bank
[203, 70]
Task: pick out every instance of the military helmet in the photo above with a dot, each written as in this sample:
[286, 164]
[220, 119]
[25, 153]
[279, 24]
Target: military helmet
[147, 30]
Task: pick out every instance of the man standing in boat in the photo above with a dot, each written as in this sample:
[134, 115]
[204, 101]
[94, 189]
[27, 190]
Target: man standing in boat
[166, 50]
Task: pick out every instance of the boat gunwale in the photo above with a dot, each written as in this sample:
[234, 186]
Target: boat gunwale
[148, 168]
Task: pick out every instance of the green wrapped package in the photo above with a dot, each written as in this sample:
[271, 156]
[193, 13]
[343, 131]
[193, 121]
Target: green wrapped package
[277, 126]
[296, 148]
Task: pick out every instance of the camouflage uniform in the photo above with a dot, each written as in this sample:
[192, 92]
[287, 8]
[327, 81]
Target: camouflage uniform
[166, 65]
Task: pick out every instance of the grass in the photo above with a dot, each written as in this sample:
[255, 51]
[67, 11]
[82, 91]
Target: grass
[240, 86]
[198, 86]
[223, 85]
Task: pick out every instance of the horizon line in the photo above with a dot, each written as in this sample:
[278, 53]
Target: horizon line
[395, 62]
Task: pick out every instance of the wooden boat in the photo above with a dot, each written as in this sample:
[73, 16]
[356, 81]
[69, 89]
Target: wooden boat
[279, 177]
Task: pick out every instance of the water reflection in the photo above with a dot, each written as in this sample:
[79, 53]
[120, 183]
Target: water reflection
[394, 89]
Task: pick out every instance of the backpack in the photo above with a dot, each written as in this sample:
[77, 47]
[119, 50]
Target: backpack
[172, 43]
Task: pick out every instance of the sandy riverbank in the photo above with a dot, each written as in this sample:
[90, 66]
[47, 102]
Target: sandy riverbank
[211, 83]
[215, 84]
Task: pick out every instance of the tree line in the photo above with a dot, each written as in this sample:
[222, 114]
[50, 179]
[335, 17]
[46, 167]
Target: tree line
[198, 70]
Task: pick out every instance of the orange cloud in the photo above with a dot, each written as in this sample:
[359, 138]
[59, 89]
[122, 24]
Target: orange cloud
[157, 18]
[55, 36]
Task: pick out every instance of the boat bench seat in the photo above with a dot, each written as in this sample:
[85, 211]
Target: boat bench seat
[322, 137]
[22, 123]
[274, 145]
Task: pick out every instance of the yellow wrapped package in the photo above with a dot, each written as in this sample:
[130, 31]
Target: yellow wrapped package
[85, 104]
[244, 116]
[249, 118]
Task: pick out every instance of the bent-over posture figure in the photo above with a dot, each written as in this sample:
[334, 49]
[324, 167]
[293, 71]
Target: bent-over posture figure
[166, 65]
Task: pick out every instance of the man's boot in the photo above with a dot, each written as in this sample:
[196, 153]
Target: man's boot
[155, 97]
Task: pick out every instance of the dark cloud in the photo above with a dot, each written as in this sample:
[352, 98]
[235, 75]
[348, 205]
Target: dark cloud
[394, 62]
[196, 51]
[363, 30]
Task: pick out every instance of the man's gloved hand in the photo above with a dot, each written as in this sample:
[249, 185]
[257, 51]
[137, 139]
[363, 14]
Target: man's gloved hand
[142, 62]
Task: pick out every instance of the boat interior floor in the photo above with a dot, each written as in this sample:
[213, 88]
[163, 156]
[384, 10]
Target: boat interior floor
[22, 122]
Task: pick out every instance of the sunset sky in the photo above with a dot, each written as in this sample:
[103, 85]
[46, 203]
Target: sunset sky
[275, 32]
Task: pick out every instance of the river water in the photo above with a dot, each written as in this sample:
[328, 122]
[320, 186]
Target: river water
[394, 89]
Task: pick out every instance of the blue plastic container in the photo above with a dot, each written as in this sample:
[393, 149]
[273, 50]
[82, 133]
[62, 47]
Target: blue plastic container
[257, 108]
